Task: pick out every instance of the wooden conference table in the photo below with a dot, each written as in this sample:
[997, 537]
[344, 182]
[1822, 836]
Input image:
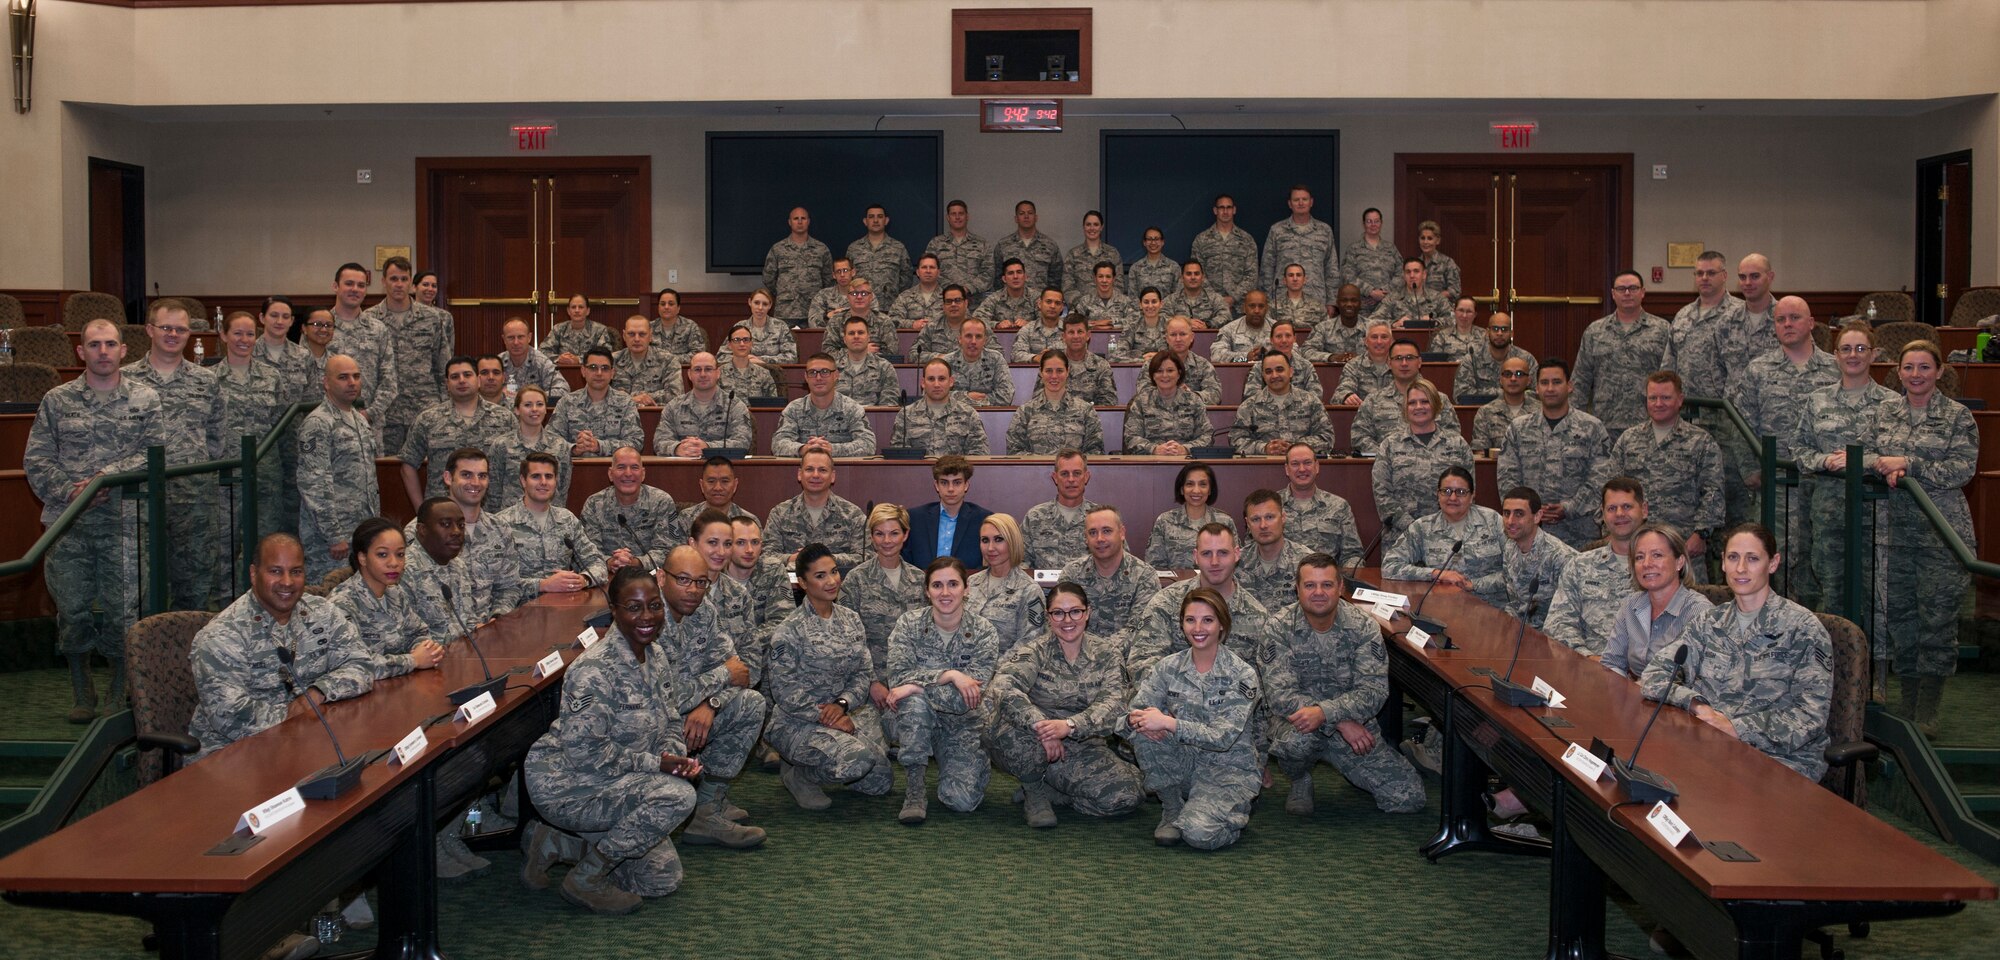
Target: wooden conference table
[1820, 861]
[149, 855]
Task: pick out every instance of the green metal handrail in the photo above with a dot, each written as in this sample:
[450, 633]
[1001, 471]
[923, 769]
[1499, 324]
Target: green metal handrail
[153, 478]
[1775, 471]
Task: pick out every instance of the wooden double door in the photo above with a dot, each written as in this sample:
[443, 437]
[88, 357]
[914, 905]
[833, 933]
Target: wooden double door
[515, 238]
[1536, 236]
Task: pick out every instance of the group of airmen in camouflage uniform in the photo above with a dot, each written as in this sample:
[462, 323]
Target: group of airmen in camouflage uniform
[1092, 695]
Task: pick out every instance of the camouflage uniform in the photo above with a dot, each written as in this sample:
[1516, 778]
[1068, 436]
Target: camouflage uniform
[1014, 605]
[1770, 395]
[938, 429]
[729, 602]
[968, 262]
[1406, 473]
[1311, 247]
[1324, 524]
[842, 526]
[1043, 426]
[424, 580]
[614, 420]
[425, 342]
[1693, 350]
[596, 772]
[935, 723]
[1208, 306]
[1360, 377]
[337, 484]
[999, 308]
[827, 306]
[870, 382]
[1567, 464]
[700, 650]
[1532, 577]
[1769, 672]
[436, 432]
[388, 625]
[1442, 276]
[657, 373]
[1612, 364]
[1113, 599]
[677, 530]
[987, 375]
[567, 337]
[537, 371]
[1379, 267]
[507, 450]
[1198, 375]
[1831, 419]
[1344, 672]
[1332, 336]
[1295, 416]
[1419, 306]
[299, 381]
[1041, 257]
[1741, 337]
[1228, 261]
[1636, 635]
[492, 567]
[1209, 765]
[191, 397]
[773, 341]
[1274, 583]
[754, 380]
[1035, 683]
[1490, 423]
[916, 304]
[1425, 547]
[236, 678]
[1054, 534]
[882, 330]
[1479, 374]
[1163, 275]
[547, 542]
[1079, 273]
[1151, 420]
[842, 422]
[867, 591]
[370, 343]
[1682, 475]
[1171, 546]
[794, 272]
[1090, 380]
[886, 267]
[684, 339]
[1378, 418]
[817, 660]
[1305, 378]
[724, 422]
[642, 528]
[1135, 339]
[92, 572]
[1155, 633]
[251, 406]
[771, 601]
[1922, 583]
[1120, 309]
[1304, 312]
[1236, 338]
[1585, 605]
[937, 339]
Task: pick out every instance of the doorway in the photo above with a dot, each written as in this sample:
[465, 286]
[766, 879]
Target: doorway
[515, 238]
[1538, 236]
[118, 233]
[1944, 233]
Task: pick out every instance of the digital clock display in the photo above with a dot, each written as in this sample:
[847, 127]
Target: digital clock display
[1020, 115]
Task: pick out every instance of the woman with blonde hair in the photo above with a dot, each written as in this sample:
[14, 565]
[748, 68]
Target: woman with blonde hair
[1664, 605]
[1005, 593]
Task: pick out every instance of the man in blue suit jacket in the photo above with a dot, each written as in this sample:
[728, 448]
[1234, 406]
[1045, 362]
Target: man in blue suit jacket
[950, 522]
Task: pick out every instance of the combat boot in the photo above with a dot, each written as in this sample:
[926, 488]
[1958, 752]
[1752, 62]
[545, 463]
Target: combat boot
[1168, 833]
[916, 808]
[541, 849]
[589, 885]
[1037, 806]
[83, 693]
[708, 826]
[114, 701]
[1300, 802]
[1930, 695]
[807, 793]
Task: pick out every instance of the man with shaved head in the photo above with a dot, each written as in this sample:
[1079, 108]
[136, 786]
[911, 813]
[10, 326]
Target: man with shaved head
[704, 416]
[1771, 394]
[337, 485]
[1751, 332]
[720, 715]
[524, 365]
[101, 422]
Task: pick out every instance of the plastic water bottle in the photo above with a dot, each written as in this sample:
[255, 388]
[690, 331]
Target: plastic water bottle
[1111, 346]
[6, 346]
[472, 817]
[1871, 313]
[513, 386]
[200, 353]
[218, 322]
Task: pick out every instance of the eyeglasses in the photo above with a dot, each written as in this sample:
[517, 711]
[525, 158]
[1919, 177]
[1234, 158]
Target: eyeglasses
[1072, 613]
[174, 331]
[1514, 374]
[819, 372]
[1856, 348]
[1454, 492]
[954, 299]
[859, 293]
[687, 582]
[319, 324]
[598, 367]
[739, 339]
[1628, 288]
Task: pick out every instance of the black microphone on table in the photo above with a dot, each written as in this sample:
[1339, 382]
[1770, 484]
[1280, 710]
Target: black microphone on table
[334, 779]
[1354, 583]
[1504, 688]
[1642, 785]
[471, 691]
[1434, 627]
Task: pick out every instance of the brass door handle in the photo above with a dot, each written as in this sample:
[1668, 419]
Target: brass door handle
[493, 302]
[1569, 301]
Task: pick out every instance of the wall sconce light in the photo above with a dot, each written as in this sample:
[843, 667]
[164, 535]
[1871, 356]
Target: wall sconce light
[21, 31]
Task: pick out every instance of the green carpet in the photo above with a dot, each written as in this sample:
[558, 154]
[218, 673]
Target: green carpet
[34, 704]
[852, 882]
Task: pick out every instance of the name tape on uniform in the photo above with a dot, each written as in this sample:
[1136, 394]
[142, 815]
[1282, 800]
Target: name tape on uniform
[548, 665]
[1584, 762]
[270, 813]
[1542, 687]
[472, 710]
[1667, 824]
[409, 748]
[1381, 597]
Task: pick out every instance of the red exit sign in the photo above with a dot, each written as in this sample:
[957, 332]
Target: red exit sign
[1515, 134]
[532, 136]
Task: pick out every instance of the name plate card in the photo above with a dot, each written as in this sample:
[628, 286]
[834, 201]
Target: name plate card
[548, 665]
[270, 813]
[1584, 762]
[1048, 578]
[1667, 824]
[1381, 598]
[1417, 637]
[409, 748]
[1542, 687]
[587, 638]
[471, 711]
